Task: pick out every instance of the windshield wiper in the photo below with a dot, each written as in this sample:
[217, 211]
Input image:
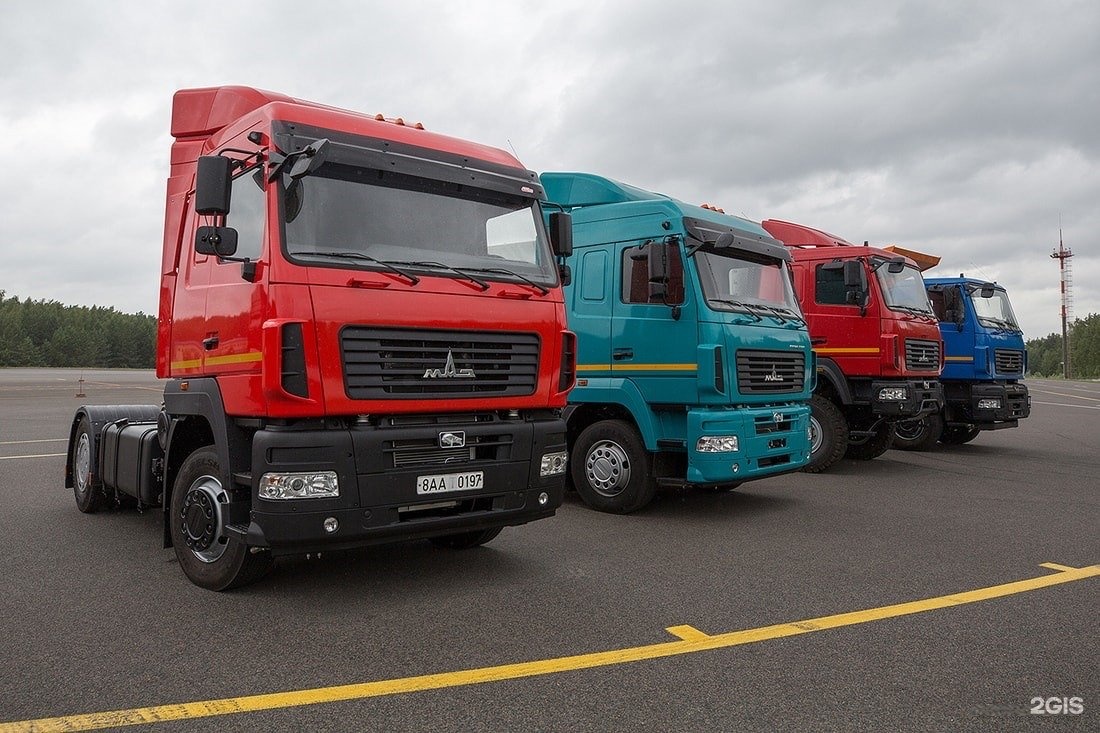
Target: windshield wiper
[737, 304]
[413, 279]
[543, 290]
[439, 265]
[1000, 323]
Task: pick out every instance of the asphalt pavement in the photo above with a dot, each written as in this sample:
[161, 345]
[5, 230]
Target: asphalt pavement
[895, 594]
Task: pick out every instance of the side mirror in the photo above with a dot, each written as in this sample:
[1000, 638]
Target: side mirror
[561, 233]
[987, 292]
[213, 184]
[853, 274]
[895, 266]
[218, 241]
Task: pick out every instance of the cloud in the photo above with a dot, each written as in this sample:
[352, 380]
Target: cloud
[964, 129]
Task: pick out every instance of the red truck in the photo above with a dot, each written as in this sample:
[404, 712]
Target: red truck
[877, 341]
[363, 335]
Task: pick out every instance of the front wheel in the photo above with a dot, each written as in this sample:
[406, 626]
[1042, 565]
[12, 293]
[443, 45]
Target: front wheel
[918, 434]
[958, 435]
[466, 540]
[611, 468]
[89, 497]
[210, 558]
[828, 434]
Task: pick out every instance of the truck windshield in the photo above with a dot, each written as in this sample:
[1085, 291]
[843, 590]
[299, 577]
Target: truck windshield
[735, 280]
[994, 312]
[344, 216]
[903, 291]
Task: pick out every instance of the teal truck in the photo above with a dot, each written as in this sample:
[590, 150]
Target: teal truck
[984, 362]
[694, 365]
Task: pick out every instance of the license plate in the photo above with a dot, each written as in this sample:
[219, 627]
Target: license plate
[440, 483]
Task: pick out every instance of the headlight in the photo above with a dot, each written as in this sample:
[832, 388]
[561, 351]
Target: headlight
[991, 403]
[893, 394]
[717, 444]
[305, 485]
[553, 463]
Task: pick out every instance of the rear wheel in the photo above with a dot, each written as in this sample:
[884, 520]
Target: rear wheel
[874, 446]
[210, 558]
[611, 468]
[465, 540]
[957, 435]
[919, 434]
[828, 434]
[89, 497]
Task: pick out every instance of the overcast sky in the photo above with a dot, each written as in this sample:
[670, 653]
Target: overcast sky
[970, 130]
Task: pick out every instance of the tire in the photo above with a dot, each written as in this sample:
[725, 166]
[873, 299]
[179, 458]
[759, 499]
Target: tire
[89, 496]
[466, 540]
[958, 435]
[828, 434]
[611, 468]
[919, 434]
[208, 556]
[874, 446]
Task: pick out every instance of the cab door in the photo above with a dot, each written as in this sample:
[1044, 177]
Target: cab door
[653, 326]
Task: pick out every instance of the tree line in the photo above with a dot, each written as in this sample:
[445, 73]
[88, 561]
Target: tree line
[1044, 355]
[40, 333]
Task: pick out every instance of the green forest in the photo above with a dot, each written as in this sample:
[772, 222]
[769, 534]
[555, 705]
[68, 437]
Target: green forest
[40, 333]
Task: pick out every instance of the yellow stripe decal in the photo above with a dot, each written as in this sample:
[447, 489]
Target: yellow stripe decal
[246, 358]
[691, 640]
[187, 364]
[636, 367]
[958, 358]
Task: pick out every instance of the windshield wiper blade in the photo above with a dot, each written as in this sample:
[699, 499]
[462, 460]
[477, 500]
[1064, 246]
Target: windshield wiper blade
[413, 279]
[543, 290]
[737, 304]
[439, 265]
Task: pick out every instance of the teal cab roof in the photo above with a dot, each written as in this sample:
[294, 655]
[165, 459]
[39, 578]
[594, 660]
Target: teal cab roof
[580, 191]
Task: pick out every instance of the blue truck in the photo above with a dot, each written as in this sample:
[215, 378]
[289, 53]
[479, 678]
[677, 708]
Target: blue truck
[694, 365]
[984, 361]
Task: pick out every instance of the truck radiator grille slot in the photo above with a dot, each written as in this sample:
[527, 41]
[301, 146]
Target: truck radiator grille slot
[1008, 361]
[426, 451]
[381, 363]
[769, 461]
[770, 372]
[922, 356]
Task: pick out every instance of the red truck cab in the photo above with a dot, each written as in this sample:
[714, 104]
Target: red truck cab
[877, 341]
[364, 337]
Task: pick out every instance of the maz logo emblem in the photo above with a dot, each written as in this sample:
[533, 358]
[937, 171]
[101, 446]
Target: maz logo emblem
[449, 371]
[773, 377]
[456, 439]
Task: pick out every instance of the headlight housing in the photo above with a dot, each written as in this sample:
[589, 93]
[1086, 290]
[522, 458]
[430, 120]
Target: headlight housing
[893, 394]
[553, 463]
[989, 403]
[299, 485]
[717, 444]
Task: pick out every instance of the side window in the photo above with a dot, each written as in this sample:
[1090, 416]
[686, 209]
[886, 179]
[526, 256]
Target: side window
[246, 213]
[829, 286]
[939, 299]
[639, 287]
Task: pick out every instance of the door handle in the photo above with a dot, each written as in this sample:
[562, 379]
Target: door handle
[620, 354]
[210, 343]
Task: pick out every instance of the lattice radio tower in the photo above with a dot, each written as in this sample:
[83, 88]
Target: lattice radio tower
[1062, 254]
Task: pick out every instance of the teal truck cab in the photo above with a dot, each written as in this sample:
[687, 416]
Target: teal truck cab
[694, 365]
[984, 361]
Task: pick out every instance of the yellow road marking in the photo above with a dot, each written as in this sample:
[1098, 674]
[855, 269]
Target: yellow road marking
[696, 641]
[687, 633]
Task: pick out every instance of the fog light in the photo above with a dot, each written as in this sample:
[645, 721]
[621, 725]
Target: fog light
[717, 444]
[893, 394]
[304, 485]
[553, 463]
[735, 468]
[331, 524]
[544, 499]
[989, 404]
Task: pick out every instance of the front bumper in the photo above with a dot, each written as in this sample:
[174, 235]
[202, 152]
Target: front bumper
[1014, 401]
[922, 397]
[377, 467]
[771, 440]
